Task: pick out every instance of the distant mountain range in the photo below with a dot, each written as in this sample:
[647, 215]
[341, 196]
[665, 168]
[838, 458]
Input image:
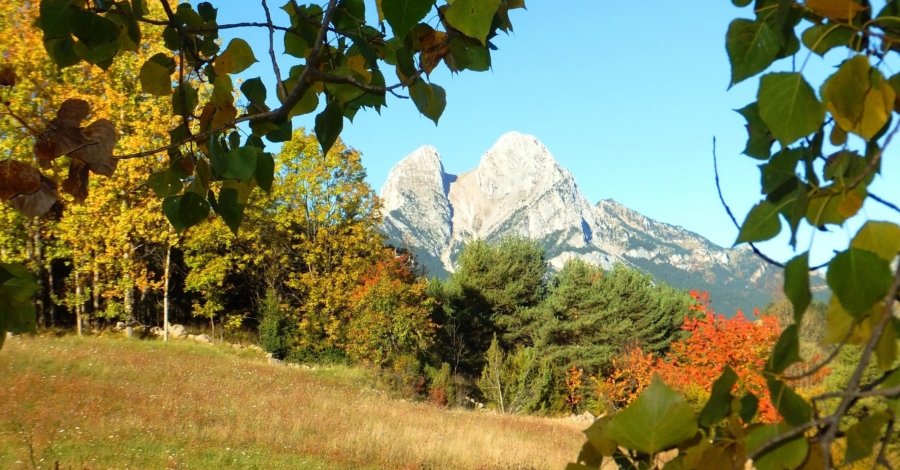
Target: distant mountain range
[518, 188]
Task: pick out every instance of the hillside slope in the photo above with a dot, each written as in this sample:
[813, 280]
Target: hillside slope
[115, 403]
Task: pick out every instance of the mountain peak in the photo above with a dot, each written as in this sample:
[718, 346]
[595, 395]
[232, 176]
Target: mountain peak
[519, 189]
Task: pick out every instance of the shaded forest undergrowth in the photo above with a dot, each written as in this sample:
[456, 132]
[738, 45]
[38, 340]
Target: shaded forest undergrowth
[115, 403]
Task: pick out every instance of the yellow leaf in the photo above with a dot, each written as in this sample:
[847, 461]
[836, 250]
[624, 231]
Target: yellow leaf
[881, 238]
[835, 9]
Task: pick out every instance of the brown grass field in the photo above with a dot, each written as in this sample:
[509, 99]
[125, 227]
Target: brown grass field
[97, 403]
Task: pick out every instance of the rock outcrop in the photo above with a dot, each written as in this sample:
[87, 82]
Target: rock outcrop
[518, 188]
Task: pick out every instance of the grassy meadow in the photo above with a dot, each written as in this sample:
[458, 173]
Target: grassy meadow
[97, 403]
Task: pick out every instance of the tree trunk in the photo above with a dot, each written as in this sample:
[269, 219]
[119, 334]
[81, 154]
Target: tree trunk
[166, 293]
[128, 295]
[35, 254]
[51, 288]
[79, 303]
[95, 287]
[212, 323]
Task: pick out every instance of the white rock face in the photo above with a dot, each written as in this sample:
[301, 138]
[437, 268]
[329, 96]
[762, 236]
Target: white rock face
[416, 207]
[518, 188]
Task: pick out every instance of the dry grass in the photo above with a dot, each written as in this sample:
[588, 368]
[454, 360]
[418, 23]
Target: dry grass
[113, 403]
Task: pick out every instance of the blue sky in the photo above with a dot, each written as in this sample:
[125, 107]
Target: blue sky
[626, 95]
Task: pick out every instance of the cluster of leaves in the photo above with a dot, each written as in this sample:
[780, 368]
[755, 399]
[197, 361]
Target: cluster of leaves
[692, 363]
[341, 62]
[819, 152]
[391, 314]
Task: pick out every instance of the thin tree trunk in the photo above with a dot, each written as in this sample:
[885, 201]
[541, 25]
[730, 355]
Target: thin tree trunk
[212, 322]
[128, 295]
[51, 288]
[79, 303]
[95, 287]
[166, 293]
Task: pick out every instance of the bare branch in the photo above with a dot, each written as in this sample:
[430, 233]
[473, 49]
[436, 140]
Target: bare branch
[756, 250]
[278, 82]
[884, 202]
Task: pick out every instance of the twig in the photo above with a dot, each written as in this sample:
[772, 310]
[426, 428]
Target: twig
[875, 159]
[884, 202]
[279, 83]
[756, 250]
[853, 384]
[881, 458]
[210, 29]
[781, 438]
[825, 362]
[277, 114]
[737, 225]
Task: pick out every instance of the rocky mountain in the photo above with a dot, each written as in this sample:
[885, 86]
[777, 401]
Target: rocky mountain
[518, 188]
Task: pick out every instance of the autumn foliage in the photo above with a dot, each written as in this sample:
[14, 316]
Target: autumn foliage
[692, 364]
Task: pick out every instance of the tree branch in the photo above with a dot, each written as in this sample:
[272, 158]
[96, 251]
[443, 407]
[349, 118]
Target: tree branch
[884, 202]
[278, 82]
[782, 438]
[853, 385]
[277, 114]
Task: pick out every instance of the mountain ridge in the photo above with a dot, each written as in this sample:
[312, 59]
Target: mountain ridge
[518, 188]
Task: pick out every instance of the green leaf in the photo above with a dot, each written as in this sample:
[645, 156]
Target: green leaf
[657, 420]
[254, 90]
[139, 7]
[752, 46]
[786, 351]
[598, 436]
[749, 406]
[184, 100]
[761, 224]
[329, 124]
[192, 209]
[788, 106]
[862, 436]
[796, 285]
[790, 454]
[825, 37]
[241, 163]
[20, 281]
[881, 238]
[98, 36]
[430, 99]
[56, 17]
[62, 51]
[156, 75]
[265, 171]
[236, 57]
[230, 209]
[472, 17]
[859, 97]
[170, 207]
[780, 171]
[207, 12]
[164, 183]
[859, 279]
[718, 406]
[296, 45]
[402, 15]
[217, 156]
[886, 349]
[759, 138]
[792, 407]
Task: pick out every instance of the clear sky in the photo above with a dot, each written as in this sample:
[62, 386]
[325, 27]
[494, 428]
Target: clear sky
[627, 95]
